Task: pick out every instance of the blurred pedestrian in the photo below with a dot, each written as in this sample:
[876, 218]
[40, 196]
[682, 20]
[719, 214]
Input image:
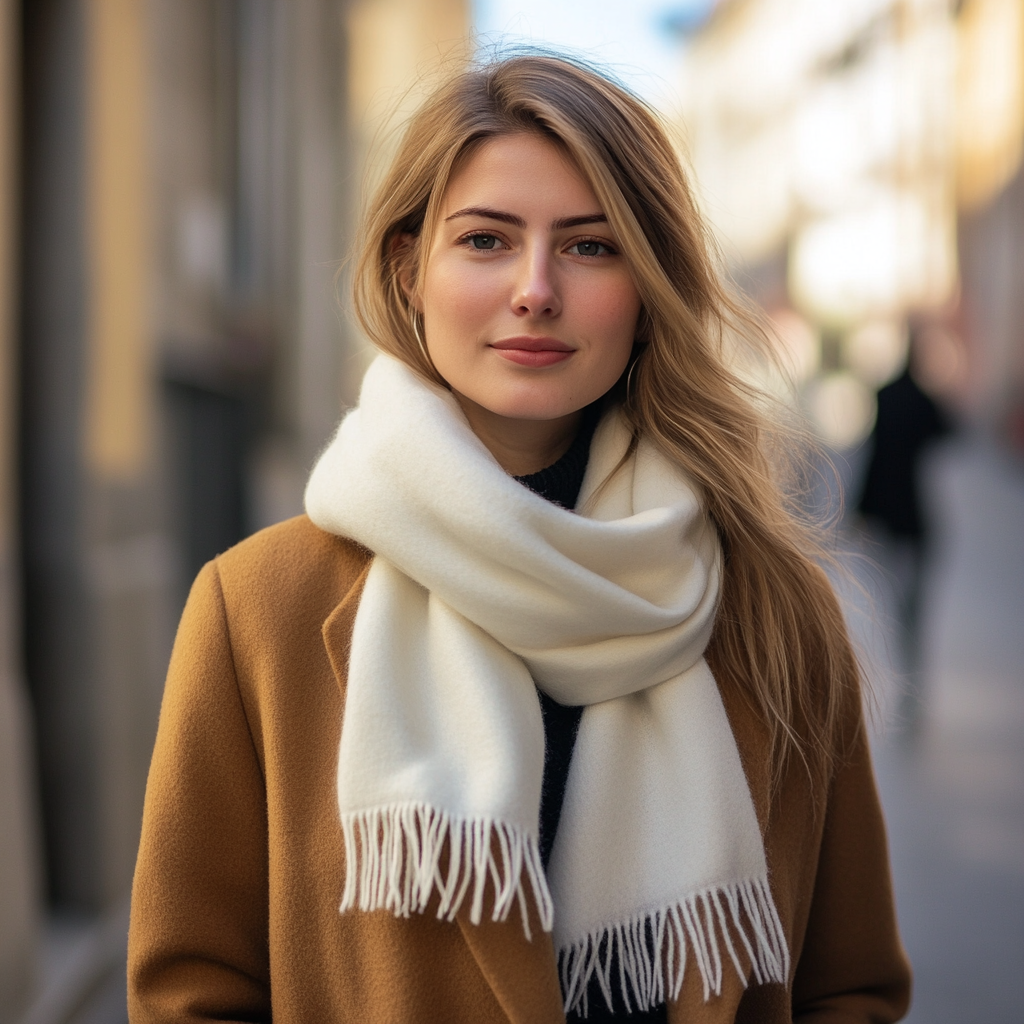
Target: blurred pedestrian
[908, 423]
[547, 691]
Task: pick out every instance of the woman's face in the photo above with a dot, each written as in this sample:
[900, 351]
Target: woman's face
[529, 310]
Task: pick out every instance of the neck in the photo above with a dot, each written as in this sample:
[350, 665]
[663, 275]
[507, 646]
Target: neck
[521, 447]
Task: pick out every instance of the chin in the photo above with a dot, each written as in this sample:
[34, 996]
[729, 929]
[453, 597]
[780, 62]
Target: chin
[530, 407]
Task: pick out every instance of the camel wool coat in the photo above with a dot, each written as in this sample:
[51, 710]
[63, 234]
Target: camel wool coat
[241, 863]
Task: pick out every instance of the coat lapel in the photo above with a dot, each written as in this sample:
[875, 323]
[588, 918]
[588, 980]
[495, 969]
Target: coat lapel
[691, 1008]
[337, 628]
[522, 973]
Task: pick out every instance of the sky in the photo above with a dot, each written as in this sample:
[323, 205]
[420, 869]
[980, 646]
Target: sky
[631, 36]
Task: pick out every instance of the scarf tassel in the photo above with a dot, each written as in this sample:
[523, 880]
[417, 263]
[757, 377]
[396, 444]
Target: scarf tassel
[643, 959]
[394, 855]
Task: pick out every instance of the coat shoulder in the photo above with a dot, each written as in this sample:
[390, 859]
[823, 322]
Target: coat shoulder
[293, 567]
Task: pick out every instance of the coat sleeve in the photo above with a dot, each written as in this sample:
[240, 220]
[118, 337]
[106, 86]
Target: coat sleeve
[198, 939]
[852, 968]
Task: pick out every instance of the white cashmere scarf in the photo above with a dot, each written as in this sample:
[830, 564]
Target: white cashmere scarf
[481, 589]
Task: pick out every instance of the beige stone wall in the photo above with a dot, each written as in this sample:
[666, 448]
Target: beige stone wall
[397, 49]
[119, 429]
[126, 562]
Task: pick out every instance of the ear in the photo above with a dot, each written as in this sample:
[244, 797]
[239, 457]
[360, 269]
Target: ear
[404, 252]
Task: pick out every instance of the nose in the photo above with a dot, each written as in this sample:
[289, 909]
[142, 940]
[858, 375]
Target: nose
[536, 292]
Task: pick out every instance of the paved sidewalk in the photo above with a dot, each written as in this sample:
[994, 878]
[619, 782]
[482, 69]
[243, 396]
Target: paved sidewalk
[953, 787]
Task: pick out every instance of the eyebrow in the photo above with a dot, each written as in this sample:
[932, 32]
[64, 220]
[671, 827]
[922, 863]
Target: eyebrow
[516, 221]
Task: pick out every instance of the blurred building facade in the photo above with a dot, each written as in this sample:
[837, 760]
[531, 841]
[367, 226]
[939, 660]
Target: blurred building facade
[179, 181]
[860, 161]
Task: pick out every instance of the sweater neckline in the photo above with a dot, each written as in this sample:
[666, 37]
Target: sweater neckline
[562, 481]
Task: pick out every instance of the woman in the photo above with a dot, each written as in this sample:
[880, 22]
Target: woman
[606, 762]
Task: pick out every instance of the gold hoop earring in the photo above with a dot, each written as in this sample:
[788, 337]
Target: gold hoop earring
[629, 376]
[419, 339]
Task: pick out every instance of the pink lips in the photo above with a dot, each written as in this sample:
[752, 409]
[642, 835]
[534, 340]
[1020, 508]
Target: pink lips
[537, 352]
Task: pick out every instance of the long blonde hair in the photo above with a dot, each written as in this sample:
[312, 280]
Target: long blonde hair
[779, 633]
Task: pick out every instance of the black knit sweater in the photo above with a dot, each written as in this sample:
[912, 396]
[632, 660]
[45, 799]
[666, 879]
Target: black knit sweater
[560, 483]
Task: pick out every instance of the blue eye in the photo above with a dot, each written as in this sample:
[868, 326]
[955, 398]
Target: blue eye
[483, 241]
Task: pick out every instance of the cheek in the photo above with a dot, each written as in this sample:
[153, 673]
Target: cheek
[611, 312]
[456, 301]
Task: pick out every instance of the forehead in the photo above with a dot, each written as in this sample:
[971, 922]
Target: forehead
[526, 170]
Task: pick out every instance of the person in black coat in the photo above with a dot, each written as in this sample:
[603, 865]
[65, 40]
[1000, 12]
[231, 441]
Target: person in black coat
[908, 423]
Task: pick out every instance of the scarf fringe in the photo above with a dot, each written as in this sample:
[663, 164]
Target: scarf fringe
[393, 861]
[652, 948]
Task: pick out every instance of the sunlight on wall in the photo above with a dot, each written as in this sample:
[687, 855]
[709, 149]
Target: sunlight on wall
[829, 127]
[989, 98]
[118, 428]
[397, 48]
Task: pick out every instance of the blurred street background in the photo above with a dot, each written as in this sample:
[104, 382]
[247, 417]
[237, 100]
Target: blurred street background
[180, 181]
